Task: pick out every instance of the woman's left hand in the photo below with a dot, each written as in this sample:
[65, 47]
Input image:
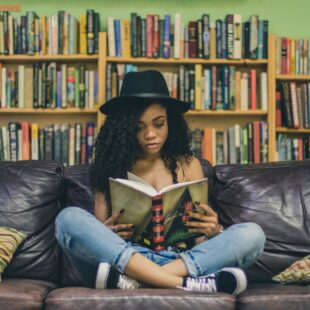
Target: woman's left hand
[205, 223]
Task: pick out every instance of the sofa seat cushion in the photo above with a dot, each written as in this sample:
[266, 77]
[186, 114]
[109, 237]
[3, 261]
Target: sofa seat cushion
[276, 196]
[23, 294]
[84, 298]
[274, 296]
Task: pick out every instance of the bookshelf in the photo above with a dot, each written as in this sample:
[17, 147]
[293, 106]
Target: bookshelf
[219, 119]
[291, 67]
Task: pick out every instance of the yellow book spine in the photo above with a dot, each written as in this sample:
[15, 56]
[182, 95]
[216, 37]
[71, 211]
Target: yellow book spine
[34, 141]
[198, 97]
[293, 58]
[125, 37]
[83, 41]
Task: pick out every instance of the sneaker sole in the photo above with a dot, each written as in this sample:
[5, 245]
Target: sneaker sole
[102, 276]
[240, 277]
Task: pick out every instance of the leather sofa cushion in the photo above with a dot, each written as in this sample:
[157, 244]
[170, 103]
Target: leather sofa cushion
[79, 192]
[274, 296]
[22, 294]
[30, 198]
[84, 298]
[277, 197]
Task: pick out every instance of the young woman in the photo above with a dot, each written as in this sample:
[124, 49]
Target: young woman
[145, 133]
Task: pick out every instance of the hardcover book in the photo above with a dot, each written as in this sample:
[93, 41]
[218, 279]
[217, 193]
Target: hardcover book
[158, 216]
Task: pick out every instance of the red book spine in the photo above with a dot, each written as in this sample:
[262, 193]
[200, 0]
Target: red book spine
[256, 142]
[158, 237]
[192, 41]
[284, 56]
[278, 109]
[149, 35]
[25, 140]
[253, 105]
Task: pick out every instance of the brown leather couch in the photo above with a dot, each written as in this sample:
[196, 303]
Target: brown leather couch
[276, 196]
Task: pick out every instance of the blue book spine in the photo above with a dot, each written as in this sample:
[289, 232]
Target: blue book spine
[225, 87]
[59, 90]
[166, 36]
[224, 40]
[260, 51]
[117, 31]
[218, 26]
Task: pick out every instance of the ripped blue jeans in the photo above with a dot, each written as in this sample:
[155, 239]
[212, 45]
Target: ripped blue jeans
[87, 242]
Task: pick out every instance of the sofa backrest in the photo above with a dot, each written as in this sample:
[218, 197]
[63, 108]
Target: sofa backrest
[277, 197]
[31, 195]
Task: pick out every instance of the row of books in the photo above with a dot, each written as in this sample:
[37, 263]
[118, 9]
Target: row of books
[293, 105]
[64, 143]
[292, 56]
[226, 88]
[235, 40]
[238, 144]
[48, 85]
[60, 33]
[292, 148]
[155, 37]
[206, 87]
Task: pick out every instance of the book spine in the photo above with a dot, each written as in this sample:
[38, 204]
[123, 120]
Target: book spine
[166, 36]
[158, 237]
[90, 31]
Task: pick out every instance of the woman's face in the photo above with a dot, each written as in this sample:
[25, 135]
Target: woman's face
[152, 130]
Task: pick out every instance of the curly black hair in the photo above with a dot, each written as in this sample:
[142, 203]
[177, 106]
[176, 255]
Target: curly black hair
[116, 147]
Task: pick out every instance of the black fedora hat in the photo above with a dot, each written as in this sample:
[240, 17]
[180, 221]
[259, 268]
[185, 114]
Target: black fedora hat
[143, 87]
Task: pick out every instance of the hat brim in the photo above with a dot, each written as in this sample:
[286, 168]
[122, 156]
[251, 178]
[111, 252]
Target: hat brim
[117, 103]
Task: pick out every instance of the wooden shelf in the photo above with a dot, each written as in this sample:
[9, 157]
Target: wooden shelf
[33, 58]
[293, 130]
[227, 113]
[290, 77]
[165, 61]
[47, 111]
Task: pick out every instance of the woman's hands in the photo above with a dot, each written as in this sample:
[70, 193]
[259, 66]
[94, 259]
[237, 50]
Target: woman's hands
[206, 223]
[125, 231]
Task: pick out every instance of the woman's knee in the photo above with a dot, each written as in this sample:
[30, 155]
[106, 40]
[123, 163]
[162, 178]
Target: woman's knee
[251, 235]
[67, 218]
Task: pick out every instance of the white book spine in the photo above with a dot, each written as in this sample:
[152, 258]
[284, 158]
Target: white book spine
[21, 86]
[111, 37]
[20, 144]
[237, 51]
[207, 89]
[5, 140]
[244, 91]
[264, 90]
[71, 145]
[177, 35]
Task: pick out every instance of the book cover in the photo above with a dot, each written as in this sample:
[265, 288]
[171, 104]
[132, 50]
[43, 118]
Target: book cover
[137, 197]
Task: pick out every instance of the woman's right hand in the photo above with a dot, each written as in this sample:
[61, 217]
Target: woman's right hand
[125, 231]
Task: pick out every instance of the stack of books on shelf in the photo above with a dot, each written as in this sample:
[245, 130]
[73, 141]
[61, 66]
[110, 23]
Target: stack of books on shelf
[238, 144]
[153, 36]
[293, 148]
[60, 33]
[48, 85]
[292, 56]
[293, 105]
[64, 143]
[228, 88]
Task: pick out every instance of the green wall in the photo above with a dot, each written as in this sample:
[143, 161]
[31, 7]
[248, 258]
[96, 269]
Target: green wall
[287, 17]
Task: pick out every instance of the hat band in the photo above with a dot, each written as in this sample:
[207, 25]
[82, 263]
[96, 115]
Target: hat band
[148, 95]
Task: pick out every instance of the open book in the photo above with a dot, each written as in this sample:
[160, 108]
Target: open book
[135, 196]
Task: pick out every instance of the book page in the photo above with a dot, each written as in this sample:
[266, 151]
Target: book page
[138, 186]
